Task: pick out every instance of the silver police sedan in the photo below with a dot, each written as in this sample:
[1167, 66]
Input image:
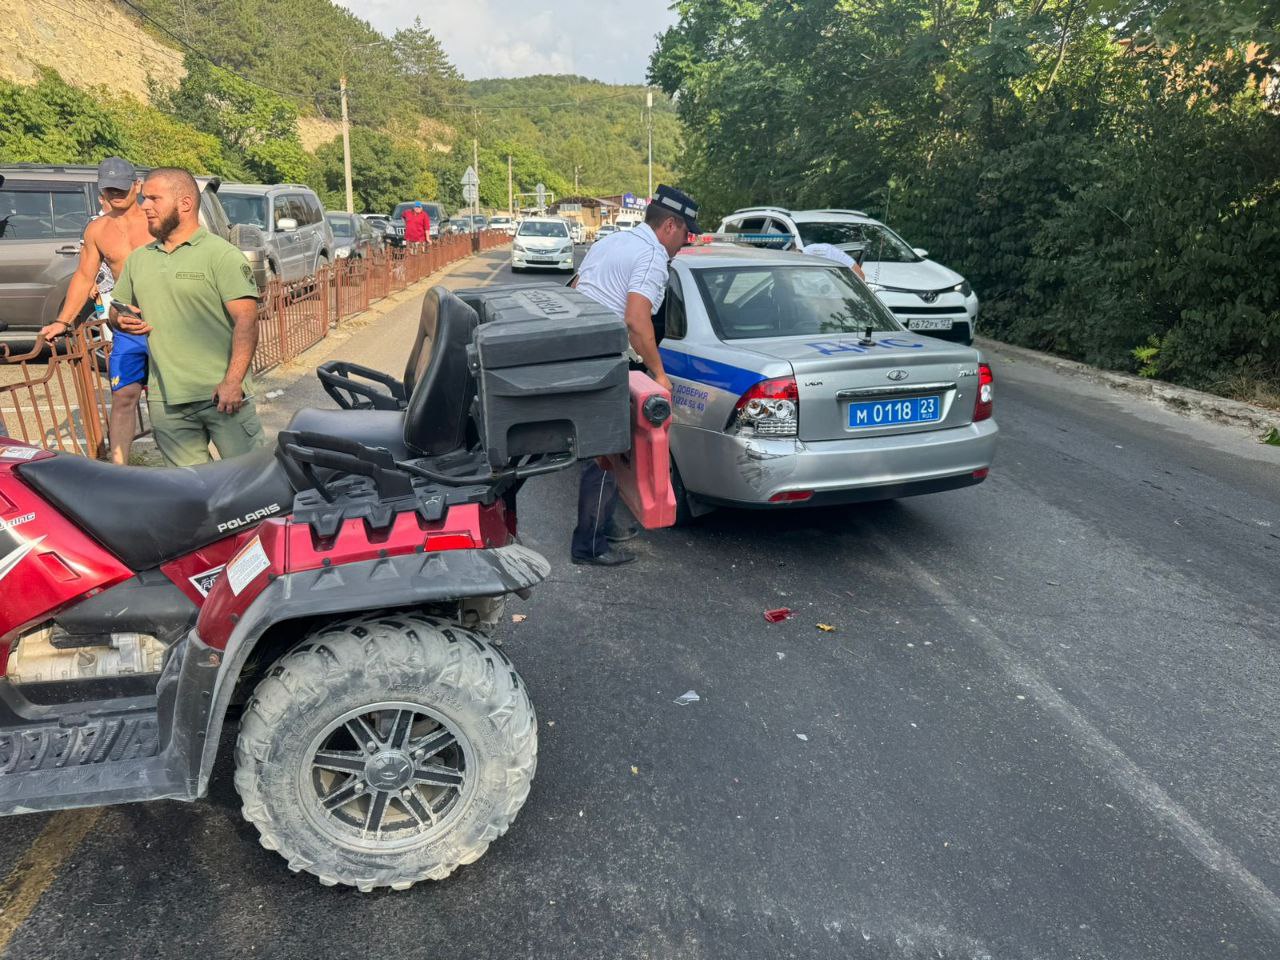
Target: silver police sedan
[793, 385]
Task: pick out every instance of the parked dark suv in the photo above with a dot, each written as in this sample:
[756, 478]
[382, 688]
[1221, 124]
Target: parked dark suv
[395, 231]
[43, 213]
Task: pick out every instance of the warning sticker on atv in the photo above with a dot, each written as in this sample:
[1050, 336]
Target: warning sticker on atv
[203, 582]
[19, 453]
[245, 565]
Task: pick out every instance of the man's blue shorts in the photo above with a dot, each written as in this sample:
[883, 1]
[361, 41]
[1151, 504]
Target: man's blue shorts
[128, 361]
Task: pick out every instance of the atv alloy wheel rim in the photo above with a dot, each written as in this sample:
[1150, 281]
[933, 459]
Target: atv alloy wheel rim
[390, 775]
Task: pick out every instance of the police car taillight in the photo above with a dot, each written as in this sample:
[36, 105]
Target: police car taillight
[985, 402]
[769, 409]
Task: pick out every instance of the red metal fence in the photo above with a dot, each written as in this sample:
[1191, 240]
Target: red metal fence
[59, 398]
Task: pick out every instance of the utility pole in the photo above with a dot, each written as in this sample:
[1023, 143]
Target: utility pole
[511, 200]
[649, 106]
[576, 168]
[346, 142]
[475, 160]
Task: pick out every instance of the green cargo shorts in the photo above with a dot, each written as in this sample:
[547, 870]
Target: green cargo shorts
[183, 431]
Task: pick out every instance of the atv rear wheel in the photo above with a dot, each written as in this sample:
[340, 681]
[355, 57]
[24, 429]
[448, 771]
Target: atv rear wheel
[385, 750]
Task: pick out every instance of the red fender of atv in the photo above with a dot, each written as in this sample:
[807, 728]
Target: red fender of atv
[282, 546]
[46, 561]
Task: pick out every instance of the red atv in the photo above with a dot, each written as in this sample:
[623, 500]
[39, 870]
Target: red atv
[339, 588]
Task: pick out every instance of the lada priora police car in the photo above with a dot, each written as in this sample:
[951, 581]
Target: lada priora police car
[794, 385]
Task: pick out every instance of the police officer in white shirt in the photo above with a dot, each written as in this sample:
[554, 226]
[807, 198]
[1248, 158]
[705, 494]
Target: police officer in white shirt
[627, 274]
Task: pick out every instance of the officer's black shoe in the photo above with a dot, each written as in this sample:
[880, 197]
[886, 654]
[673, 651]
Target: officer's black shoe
[610, 558]
[622, 532]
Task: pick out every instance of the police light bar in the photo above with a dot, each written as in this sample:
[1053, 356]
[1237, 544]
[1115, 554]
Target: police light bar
[779, 240]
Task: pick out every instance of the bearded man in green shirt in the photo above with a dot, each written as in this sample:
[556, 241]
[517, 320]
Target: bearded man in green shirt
[193, 296]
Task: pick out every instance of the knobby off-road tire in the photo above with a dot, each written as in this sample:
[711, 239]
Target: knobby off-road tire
[295, 751]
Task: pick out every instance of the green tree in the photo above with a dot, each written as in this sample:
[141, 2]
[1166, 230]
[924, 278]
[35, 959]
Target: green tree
[1100, 175]
[53, 122]
[383, 173]
[418, 57]
[255, 126]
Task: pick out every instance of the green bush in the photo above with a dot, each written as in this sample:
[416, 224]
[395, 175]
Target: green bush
[1111, 198]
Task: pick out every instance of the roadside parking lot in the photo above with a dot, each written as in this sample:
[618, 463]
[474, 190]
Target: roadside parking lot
[1044, 725]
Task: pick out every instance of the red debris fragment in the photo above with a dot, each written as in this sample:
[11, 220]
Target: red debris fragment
[777, 616]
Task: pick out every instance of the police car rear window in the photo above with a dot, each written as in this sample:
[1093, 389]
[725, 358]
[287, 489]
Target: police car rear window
[757, 302]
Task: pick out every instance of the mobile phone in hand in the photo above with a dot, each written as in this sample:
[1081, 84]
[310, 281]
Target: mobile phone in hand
[128, 308]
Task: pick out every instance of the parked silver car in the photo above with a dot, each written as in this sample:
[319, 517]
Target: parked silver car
[794, 385]
[291, 218]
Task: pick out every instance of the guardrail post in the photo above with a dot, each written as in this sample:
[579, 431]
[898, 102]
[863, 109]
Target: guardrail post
[90, 413]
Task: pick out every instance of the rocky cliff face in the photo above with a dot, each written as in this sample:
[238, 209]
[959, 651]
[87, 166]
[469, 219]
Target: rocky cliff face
[89, 44]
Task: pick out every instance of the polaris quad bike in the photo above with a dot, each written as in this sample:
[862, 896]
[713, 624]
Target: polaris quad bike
[337, 591]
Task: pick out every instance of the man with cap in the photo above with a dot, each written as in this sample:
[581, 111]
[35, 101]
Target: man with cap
[627, 274]
[108, 241]
[417, 224]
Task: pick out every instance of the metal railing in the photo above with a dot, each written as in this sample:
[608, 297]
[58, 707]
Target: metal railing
[59, 396]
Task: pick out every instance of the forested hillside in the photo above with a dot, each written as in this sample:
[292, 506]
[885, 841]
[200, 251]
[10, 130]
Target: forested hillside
[1105, 174]
[575, 122]
[234, 79]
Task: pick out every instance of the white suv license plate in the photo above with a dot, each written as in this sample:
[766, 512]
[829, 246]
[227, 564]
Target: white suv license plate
[931, 323]
[889, 413]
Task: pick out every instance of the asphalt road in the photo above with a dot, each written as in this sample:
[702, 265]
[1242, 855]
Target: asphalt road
[1045, 726]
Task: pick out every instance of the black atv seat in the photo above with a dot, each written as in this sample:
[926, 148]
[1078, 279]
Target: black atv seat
[373, 428]
[148, 515]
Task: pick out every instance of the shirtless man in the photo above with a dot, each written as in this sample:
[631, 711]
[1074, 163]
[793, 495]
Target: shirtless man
[110, 239]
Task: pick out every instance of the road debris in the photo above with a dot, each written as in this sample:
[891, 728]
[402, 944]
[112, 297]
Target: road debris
[635, 771]
[825, 627]
[781, 655]
[778, 615]
[801, 736]
[274, 394]
[686, 698]
[519, 617]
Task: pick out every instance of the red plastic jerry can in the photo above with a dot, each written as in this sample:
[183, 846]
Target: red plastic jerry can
[643, 473]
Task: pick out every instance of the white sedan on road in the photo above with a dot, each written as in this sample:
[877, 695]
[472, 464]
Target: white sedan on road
[542, 243]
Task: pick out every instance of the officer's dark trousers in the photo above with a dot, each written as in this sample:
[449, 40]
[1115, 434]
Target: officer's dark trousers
[597, 497]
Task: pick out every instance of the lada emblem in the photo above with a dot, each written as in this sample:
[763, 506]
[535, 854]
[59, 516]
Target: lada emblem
[896, 375]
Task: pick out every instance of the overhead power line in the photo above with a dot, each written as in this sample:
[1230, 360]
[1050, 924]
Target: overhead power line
[296, 98]
[152, 45]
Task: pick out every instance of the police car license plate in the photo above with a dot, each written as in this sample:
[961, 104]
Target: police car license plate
[930, 323]
[542, 259]
[888, 413]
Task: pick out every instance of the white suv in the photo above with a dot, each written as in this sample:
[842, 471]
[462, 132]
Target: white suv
[924, 295]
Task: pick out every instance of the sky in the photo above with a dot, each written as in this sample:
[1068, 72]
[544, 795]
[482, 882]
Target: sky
[602, 39]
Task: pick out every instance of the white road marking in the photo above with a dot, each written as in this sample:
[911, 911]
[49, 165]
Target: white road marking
[1109, 758]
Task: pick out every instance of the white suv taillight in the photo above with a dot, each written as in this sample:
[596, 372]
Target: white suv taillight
[983, 405]
[769, 409]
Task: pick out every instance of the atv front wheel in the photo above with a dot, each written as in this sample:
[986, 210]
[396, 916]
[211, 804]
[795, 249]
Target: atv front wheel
[385, 750]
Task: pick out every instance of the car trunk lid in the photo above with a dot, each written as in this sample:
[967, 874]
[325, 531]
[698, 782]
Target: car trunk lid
[896, 383]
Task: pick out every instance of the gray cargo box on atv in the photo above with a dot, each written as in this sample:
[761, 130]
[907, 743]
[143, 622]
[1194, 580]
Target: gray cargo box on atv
[551, 368]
